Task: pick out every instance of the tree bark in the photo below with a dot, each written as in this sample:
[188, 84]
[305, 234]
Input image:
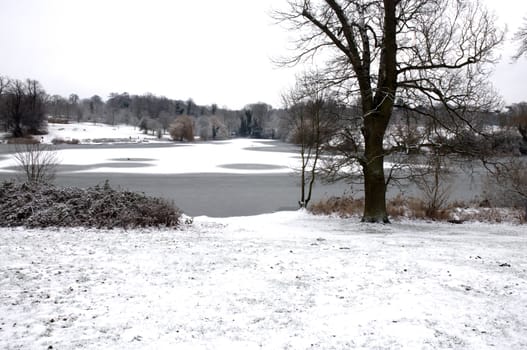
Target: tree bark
[377, 114]
[373, 170]
[375, 193]
[523, 131]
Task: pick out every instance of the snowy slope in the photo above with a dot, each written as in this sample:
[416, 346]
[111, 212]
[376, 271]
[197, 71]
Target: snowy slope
[90, 132]
[278, 281]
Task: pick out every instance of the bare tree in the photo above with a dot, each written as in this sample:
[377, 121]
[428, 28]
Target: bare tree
[96, 106]
[165, 118]
[218, 128]
[312, 118]
[260, 113]
[58, 107]
[182, 129]
[15, 107]
[508, 181]
[203, 128]
[425, 52]
[4, 85]
[517, 118]
[37, 162]
[521, 38]
[76, 107]
[24, 107]
[35, 100]
[433, 180]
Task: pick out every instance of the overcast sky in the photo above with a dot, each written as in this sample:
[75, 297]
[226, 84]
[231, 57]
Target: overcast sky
[210, 50]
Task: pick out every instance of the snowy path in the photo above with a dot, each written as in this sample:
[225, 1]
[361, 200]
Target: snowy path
[279, 281]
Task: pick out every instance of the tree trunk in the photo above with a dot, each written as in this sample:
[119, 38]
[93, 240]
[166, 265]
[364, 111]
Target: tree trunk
[523, 131]
[17, 123]
[374, 184]
[377, 114]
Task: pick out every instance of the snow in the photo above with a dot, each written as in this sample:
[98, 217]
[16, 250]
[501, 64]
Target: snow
[176, 158]
[91, 132]
[214, 157]
[285, 280]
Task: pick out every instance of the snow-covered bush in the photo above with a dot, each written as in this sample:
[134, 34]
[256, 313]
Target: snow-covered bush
[42, 205]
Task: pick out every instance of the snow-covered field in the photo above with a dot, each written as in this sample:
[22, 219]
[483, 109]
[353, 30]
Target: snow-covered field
[92, 132]
[276, 281]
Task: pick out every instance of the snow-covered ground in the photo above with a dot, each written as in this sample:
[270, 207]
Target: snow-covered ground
[88, 133]
[287, 280]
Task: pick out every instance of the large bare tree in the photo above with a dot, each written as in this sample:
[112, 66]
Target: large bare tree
[520, 37]
[425, 53]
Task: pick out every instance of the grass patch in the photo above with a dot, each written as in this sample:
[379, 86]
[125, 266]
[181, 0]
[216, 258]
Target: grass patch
[28, 140]
[402, 207]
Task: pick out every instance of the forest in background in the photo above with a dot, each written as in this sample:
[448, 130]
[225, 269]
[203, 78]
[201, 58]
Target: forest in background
[25, 107]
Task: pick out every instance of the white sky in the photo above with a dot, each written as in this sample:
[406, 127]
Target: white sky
[212, 51]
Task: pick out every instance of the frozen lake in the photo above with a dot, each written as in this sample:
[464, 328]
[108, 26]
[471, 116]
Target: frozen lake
[227, 178]
[235, 178]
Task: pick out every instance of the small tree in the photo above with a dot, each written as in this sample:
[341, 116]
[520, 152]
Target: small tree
[218, 128]
[508, 179]
[203, 128]
[37, 162]
[246, 123]
[182, 129]
[517, 118]
[434, 182]
[312, 118]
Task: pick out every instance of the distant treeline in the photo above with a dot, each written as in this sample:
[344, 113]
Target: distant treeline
[25, 107]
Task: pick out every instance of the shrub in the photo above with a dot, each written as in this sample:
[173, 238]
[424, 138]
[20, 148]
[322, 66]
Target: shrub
[59, 141]
[41, 205]
[108, 140]
[507, 183]
[182, 129]
[415, 208]
[397, 207]
[37, 162]
[22, 140]
[344, 206]
[58, 120]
